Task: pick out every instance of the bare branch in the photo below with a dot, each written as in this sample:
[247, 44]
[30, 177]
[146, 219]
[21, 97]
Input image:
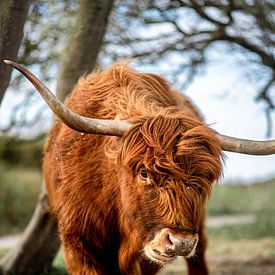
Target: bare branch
[267, 59]
[200, 10]
[264, 96]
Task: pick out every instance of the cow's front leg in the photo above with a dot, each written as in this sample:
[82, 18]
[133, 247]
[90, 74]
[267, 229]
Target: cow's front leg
[76, 264]
[82, 257]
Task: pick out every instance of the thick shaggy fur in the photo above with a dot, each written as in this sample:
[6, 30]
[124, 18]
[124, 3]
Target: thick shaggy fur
[106, 212]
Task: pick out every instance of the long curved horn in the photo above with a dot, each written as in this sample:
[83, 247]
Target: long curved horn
[71, 119]
[245, 146]
[118, 127]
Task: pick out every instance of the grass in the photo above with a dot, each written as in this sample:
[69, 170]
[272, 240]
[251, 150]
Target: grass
[242, 199]
[58, 265]
[3, 252]
[263, 227]
[26, 153]
[242, 247]
[256, 199]
[18, 195]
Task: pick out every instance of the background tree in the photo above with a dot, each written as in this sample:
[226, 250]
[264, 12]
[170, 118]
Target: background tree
[86, 38]
[13, 15]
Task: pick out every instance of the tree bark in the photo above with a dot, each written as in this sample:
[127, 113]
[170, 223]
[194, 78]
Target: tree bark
[28, 256]
[85, 42]
[40, 241]
[13, 14]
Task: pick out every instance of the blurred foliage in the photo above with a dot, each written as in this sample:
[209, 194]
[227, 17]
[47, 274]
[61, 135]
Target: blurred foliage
[58, 265]
[256, 199]
[46, 34]
[19, 191]
[20, 179]
[2, 253]
[26, 153]
[245, 199]
[263, 227]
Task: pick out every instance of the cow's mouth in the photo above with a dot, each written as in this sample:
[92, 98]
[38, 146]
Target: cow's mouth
[156, 256]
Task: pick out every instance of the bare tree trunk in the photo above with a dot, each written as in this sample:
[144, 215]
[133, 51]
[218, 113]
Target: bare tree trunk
[85, 42]
[40, 240]
[13, 14]
[28, 256]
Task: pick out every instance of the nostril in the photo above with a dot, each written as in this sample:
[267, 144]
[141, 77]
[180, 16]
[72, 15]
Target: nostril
[174, 240]
[180, 244]
[169, 239]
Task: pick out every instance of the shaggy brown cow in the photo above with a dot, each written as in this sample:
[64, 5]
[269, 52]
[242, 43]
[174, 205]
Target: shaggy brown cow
[131, 204]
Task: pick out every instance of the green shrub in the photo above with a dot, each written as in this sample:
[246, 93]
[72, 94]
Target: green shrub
[26, 153]
[242, 199]
[263, 227]
[19, 188]
[256, 199]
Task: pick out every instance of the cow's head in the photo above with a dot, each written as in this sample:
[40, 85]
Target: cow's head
[168, 164]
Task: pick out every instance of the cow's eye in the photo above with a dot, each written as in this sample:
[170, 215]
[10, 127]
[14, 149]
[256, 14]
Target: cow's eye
[143, 174]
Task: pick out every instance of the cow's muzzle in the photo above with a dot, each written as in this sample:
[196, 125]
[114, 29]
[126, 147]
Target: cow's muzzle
[167, 245]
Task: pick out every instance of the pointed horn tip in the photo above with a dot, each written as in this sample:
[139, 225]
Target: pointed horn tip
[9, 62]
